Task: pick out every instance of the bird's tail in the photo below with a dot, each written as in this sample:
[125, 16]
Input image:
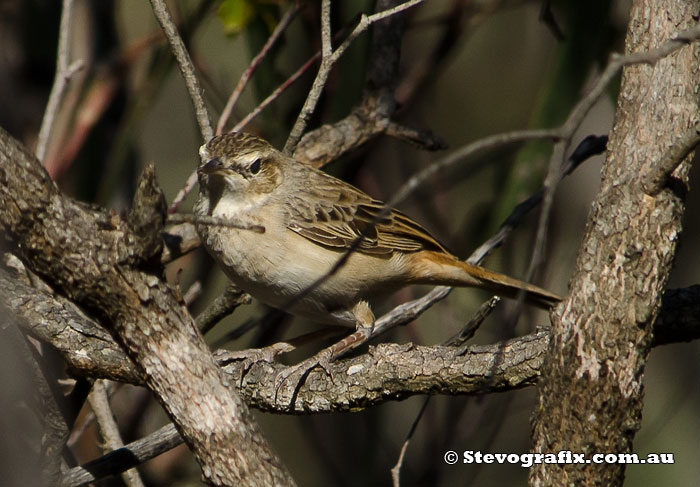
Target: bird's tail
[444, 269]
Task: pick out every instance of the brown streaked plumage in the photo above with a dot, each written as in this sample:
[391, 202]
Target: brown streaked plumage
[310, 220]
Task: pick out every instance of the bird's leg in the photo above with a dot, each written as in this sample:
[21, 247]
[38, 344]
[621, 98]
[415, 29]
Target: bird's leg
[365, 325]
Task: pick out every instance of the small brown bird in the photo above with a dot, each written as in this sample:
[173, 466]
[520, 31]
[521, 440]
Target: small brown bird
[310, 219]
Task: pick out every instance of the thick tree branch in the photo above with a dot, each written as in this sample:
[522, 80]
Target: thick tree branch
[357, 382]
[89, 256]
[602, 333]
[90, 351]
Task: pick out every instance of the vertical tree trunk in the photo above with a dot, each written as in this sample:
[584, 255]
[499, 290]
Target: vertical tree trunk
[590, 395]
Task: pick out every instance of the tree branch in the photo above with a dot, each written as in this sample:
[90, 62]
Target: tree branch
[64, 72]
[602, 332]
[109, 431]
[328, 59]
[91, 351]
[254, 63]
[184, 62]
[88, 256]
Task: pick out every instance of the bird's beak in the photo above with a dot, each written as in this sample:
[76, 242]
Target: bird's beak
[212, 166]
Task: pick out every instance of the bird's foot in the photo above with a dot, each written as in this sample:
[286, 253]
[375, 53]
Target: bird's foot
[250, 357]
[296, 375]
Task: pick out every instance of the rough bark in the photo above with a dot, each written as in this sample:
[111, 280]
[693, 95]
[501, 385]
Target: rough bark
[388, 372]
[590, 392]
[108, 265]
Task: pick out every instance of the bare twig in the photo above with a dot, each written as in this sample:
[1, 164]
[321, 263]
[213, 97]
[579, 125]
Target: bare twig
[366, 21]
[222, 306]
[590, 146]
[64, 72]
[576, 117]
[279, 29]
[457, 340]
[656, 177]
[319, 82]
[275, 94]
[184, 62]
[192, 293]
[328, 59]
[179, 240]
[131, 455]
[470, 328]
[211, 220]
[396, 469]
[466, 152]
[423, 139]
[109, 431]
[180, 197]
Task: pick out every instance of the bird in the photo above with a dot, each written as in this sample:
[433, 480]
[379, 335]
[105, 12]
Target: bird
[289, 223]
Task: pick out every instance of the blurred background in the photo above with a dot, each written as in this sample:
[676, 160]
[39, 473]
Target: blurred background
[469, 69]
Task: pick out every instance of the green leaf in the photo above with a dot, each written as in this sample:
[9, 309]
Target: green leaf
[236, 14]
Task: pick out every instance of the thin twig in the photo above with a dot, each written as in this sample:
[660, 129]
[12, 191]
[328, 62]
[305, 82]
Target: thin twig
[396, 469]
[135, 453]
[466, 152]
[184, 62]
[319, 82]
[192, 293]
[458, 340]
[470, 328]
[186, 189]
[328, 59]
[222, 306]
[109, 431]
[64, 72]
[366, 21]
[176, 218]
[590, 146]
[576, 117]
[245, 77]
[275, 94]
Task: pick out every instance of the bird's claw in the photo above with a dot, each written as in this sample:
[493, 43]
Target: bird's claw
[250, 357]
[302, 371]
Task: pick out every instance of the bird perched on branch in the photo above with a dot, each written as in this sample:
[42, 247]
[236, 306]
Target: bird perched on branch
[295, 224]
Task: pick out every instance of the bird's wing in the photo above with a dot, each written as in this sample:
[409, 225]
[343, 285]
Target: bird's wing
[335, 214]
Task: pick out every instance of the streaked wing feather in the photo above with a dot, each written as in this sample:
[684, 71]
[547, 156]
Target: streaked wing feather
[335, 218]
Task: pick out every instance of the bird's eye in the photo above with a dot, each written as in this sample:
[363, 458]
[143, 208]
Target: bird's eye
[255, 167]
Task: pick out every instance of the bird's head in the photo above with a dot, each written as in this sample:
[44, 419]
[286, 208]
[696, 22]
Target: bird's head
[238, 167]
